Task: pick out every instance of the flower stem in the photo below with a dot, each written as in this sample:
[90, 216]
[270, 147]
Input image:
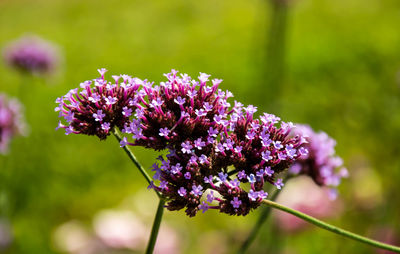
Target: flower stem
[133, 159]
[160, 208]
[275, 67]
[156, 227]
[265, 211]
[332, 228]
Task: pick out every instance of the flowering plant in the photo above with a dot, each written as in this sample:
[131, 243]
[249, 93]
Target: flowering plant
[219, 157]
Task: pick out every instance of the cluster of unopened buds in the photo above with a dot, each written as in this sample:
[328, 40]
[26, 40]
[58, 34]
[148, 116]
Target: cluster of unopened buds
[219, 156]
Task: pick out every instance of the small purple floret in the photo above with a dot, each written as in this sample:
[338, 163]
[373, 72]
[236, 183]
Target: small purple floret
[236, 202]
[182, 192]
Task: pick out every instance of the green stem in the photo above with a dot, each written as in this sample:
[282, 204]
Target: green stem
[134, 160]
[156, 227]
[275, 66]
[331, 228]
[160, 208]
[265, 211]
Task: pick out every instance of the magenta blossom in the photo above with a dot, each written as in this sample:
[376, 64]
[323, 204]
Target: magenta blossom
[32, 54]
[320, 163]
[12, 122]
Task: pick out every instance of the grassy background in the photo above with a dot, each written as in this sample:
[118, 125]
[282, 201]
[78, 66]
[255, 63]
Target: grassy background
[342, 75]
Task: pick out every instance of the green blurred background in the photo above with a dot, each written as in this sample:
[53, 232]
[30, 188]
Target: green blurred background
[332, 64]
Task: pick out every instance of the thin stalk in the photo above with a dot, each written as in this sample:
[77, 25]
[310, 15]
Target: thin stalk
[134, 160]
[331, 228]
[265, 211]
[156, 227]
[160, 208]
[275, 66]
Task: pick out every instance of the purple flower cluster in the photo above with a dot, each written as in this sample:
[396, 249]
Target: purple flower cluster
[320, 163]
[31, 54]
[216, 151]
[99, 105]
[11, 121]
[219, 156]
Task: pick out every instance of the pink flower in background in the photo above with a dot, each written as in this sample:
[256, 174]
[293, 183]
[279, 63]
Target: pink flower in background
[12, 122]
[114, 231]
[388, 235]
[32, 54]
[302, 194]
[73, 237]
[5, 234]
[167, 241]
[120, 229]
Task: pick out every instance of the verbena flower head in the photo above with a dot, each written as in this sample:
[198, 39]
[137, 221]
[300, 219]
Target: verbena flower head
[99, 105]
[12, 122]
[219, 156]
[32, 54]
[321, 163]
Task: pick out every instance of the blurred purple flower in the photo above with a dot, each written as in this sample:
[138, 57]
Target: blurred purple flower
[32, 54]
[12, 122]
[319, 160]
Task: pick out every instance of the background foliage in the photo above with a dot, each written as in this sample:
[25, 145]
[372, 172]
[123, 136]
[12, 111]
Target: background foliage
[341, 75]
